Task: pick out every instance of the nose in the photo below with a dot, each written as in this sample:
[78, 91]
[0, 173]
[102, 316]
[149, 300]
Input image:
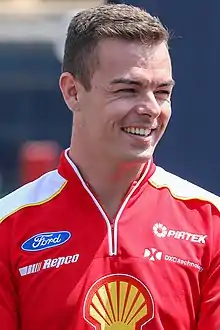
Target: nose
[148, 106]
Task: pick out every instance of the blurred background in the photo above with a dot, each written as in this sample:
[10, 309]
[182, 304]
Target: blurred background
[35, 124]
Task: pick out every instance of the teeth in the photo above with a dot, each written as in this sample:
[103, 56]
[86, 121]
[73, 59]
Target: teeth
[137, 131]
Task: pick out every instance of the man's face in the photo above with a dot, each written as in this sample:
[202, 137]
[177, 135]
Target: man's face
[126, 112]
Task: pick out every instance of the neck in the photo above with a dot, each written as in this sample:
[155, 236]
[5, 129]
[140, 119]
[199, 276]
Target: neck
[109, 181]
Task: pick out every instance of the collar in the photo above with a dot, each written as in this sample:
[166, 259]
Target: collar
[68, 170]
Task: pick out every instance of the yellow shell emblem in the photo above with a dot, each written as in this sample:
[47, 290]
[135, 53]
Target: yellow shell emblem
[118, 302]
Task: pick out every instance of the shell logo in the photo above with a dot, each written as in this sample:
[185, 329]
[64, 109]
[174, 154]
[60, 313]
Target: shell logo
[118, 302]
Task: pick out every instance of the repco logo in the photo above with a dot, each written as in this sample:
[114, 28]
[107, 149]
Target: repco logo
[162, 231]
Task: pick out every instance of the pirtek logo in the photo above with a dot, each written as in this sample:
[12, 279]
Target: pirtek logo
[162, 231]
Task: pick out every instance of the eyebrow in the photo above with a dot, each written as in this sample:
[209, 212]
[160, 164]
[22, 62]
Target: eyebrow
[168, 83]
[126, 81]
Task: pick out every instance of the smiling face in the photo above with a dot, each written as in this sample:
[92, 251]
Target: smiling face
[125, 113]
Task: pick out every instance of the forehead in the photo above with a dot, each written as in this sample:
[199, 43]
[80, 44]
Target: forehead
[128, 59]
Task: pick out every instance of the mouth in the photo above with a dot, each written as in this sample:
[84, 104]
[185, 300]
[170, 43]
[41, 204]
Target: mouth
[138, 131]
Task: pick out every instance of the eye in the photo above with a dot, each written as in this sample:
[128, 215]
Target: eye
[163, 92]
[126, 90]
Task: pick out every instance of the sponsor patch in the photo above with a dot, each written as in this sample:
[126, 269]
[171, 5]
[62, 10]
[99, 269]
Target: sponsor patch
[48, 263]
[46, 240]
[153, 255]
[162, 231]
[118, 301]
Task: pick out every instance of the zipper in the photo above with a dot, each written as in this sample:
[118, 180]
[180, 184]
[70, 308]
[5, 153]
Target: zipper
[114, 253]
[112, 226]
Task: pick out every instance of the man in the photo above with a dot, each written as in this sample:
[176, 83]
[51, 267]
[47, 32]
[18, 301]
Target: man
[109, 240]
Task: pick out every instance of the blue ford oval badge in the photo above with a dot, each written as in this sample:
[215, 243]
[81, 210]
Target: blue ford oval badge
[44, 241]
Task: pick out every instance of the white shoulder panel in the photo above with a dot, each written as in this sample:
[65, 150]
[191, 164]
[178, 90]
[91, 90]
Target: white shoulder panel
[34, 193]
[182, 189]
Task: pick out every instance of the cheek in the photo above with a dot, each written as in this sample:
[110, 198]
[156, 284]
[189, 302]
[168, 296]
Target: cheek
[165, 113]
[118, 109]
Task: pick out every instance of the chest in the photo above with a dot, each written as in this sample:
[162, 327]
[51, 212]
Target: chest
[149, 260]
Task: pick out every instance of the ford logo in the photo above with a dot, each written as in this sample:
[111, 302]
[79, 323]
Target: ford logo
[44, 241]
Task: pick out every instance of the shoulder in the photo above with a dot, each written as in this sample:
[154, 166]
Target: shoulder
[182, 189]
[34, 193]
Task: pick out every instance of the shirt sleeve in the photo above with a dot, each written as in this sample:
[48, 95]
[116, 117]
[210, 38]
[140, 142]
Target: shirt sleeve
[8, 296]
[209, 316]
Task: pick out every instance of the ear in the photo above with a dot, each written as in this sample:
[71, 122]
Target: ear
[68, 87]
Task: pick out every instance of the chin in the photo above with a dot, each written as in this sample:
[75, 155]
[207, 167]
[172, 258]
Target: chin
[143, 156]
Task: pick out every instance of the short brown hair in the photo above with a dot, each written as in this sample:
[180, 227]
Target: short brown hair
[88, 27]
